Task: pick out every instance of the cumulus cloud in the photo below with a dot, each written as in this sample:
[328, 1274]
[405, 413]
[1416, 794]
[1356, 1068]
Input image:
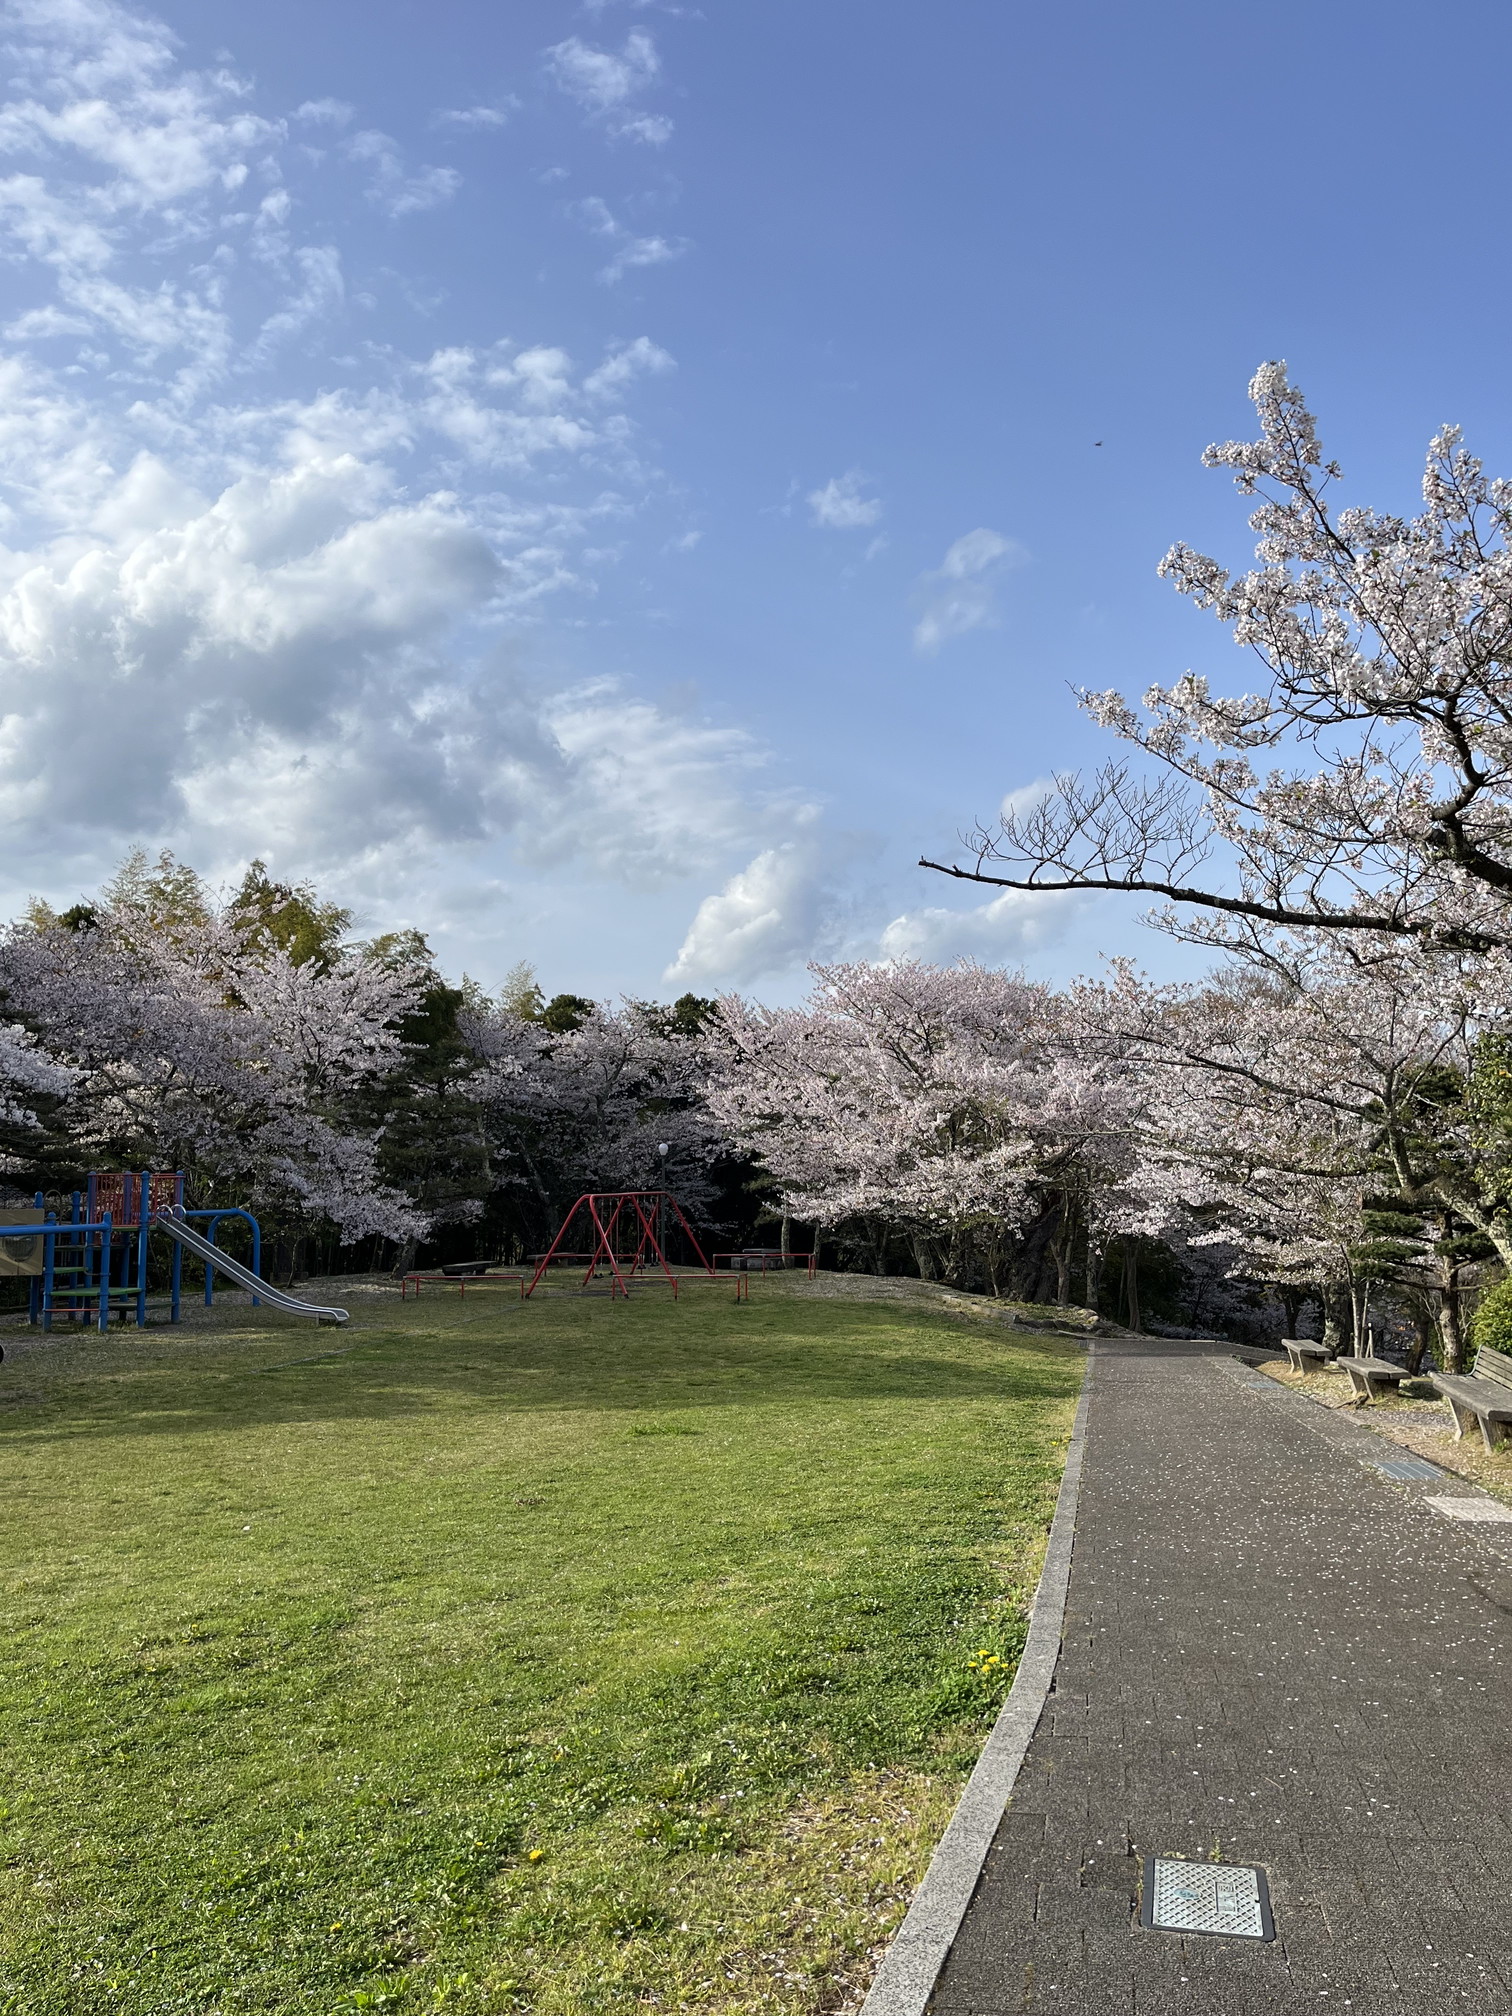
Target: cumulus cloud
[841, 506]
[961, 594]
[238, 617]
[1010, 927]
[605, 84]
[1024, 797]
[254, 604]
[775, 913]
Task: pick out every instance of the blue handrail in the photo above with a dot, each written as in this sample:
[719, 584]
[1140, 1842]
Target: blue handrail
[94, 1236]
[228, 1211]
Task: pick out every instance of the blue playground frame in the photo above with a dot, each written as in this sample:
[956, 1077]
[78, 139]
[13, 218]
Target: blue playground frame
[95, 1260]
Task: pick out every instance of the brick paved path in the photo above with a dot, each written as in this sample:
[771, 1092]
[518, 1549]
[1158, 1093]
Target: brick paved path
[1272, 1654]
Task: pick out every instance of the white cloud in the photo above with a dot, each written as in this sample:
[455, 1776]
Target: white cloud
[599, 79]
[625, 364]
[773, 915]
[646, 794]
[326, 112]
[655, 251]
[604, 84]
[474, 118]
[1024, 797]
[320, 295]
[631, 251]
[1010, 927]
[960, 596]
[240, 615]
[652, 129]
[841, 506]
[396, 193]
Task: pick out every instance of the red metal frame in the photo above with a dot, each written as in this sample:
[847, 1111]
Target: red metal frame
[462, 1281]
[605, 1208]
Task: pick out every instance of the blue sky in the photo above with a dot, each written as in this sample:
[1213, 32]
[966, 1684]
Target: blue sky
[611, 485]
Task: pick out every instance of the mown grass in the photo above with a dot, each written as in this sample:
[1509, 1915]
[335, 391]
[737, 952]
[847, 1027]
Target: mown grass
[562, 1658]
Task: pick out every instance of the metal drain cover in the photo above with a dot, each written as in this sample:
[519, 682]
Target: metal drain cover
[1406, 1467]
[1230, 1899]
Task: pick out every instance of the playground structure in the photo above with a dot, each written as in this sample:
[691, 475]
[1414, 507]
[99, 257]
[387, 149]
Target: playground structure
[94, 1263]
[628, 1230]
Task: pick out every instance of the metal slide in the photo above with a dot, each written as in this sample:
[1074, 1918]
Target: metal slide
[243, 1276]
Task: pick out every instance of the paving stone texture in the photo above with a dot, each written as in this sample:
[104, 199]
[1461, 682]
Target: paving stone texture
[1272, 1654]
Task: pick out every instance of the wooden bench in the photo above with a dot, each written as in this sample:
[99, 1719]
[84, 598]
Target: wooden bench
[1367, 1374]
[1484, 1396]
[1302, 1353]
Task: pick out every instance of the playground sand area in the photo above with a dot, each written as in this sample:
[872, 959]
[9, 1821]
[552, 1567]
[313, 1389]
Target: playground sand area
[559, 1656]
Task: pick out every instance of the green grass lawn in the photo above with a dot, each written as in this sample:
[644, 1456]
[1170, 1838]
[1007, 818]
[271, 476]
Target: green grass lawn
[559, 1657]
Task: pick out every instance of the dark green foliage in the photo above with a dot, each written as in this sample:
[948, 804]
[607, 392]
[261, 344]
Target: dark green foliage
[1493, 1319]
[565, 1012]
[689, 1015]
[288, 918]
[433, 1146]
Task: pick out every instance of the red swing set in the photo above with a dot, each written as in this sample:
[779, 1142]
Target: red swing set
[628, 1230]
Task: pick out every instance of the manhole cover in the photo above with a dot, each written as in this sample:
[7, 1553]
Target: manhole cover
[1406, 1466]
[1486, 1510]
[1225, 1898]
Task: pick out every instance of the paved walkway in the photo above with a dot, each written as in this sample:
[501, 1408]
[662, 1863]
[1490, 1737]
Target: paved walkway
[1272, 1654]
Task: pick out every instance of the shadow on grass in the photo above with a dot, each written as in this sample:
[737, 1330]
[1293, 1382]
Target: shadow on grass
[571, 1362]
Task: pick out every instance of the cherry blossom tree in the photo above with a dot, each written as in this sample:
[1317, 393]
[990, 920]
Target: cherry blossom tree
[186, 1048]
[945, 1106]
[614, 1103]
[1300, 1102]
[1385, 718]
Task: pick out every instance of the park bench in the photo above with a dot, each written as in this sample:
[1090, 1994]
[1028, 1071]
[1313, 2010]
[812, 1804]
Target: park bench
[1304, 1354]
[1367, 1374]
[1484, 1396]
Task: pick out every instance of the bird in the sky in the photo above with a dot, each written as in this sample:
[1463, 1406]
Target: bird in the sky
[1097, 444]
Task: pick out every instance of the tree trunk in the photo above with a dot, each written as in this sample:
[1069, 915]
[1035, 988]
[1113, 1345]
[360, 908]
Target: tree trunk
[1338, 1317]
[1131, 1285]
[1451, 1331]
[1427, 1333]
[1095, 1257]
[787, 1237]
[1062, 1275]
[878, 1236]
[956, 1259]
[1024, 1275]
[1291, 1300]
[1060, 1251]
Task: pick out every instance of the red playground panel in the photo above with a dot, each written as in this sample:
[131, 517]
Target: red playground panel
[120, 1193]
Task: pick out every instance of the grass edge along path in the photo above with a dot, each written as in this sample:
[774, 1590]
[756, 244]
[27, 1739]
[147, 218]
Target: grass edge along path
[562, 1658]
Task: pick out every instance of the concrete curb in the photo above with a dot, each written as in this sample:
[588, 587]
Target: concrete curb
[906, 1979]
